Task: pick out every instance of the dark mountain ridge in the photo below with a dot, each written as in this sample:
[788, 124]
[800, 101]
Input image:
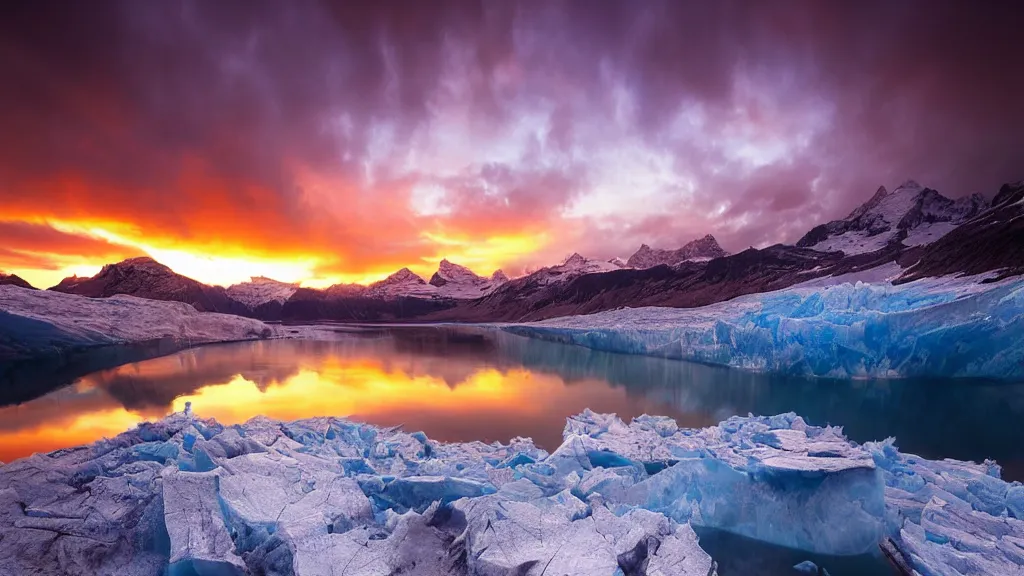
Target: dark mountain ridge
[973, 238]
[14, 280]
[146, 278]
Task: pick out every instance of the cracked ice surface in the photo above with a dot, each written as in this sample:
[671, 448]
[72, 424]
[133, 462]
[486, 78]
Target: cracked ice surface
[329, 496]
[932, 327]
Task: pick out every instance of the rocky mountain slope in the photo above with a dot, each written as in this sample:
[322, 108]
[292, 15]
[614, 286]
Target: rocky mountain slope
[701, 249]
[914, 229]
[572, 267]
[261, 290]
[911, 214]
[993, 240]
[890, 229]
[454, 281]
[690, 284]
[144, 277]
[14, 280]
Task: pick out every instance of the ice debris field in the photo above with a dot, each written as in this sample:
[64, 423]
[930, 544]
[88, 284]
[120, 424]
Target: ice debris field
[945, 327]
[328, 496]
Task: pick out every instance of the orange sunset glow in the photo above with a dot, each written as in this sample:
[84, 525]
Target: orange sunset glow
[449, 398]
[357, 140]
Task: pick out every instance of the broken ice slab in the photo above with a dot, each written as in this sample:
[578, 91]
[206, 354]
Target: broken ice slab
[310, 496]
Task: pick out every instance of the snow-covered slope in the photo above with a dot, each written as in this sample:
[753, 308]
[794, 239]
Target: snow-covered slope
[401, 283]
[911, 213]
[701, 249]
[459, 282]
[573, 266]
[261, 290]
[36, 322]
[930, 327]
[309, 496]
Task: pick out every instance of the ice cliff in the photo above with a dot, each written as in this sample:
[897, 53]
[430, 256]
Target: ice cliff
[327, 496]
[930, 327]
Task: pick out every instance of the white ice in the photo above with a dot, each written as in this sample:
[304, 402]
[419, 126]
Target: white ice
[40, 321]
[328, 496]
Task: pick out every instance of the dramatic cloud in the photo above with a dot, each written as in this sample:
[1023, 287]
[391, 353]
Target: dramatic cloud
[330, 141]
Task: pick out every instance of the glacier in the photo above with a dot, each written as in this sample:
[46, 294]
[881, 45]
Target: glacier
[41, 323]
[949, 327]
[186, 495]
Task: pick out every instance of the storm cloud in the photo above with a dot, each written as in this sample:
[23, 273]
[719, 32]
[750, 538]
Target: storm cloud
[365, 137]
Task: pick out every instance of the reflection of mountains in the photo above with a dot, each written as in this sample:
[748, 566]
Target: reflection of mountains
[155, 384]
[24, 380]
[934, 418]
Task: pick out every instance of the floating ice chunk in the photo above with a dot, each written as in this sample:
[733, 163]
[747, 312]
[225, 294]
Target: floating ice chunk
[766, 478]
[560, 536]
[325, 495]
[810, 568]
[419, 492]
[314, 502]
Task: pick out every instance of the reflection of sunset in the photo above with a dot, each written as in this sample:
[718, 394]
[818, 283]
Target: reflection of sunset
[367, 390]
[450, 398]
[74, 430]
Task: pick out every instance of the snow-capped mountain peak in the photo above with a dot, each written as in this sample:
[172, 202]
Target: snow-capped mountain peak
[450, 272]
[575, 261]
[698, 250]
[459, 282]
[911, 213]
[573, 266]
[402, 283]
[261, 290]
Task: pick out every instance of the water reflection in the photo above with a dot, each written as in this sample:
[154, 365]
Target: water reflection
[466, 384]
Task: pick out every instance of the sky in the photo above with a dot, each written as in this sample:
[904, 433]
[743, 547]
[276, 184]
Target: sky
[326, 142]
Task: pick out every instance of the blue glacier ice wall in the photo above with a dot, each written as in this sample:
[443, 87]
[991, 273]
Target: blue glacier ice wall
[186, 496]
[934, 327]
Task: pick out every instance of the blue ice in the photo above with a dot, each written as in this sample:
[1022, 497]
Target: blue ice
[936, 327]
[186, 495]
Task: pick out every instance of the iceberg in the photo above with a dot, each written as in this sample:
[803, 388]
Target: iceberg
[950, 327]
[185, 495]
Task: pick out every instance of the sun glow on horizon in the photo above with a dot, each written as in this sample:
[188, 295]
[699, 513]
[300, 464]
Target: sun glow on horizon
[227, 265]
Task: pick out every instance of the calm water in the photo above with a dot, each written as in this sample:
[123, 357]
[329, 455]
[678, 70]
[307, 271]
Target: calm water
[475, 384]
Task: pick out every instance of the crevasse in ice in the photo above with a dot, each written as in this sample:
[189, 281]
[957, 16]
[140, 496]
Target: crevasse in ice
[931, 327]
[326, 495]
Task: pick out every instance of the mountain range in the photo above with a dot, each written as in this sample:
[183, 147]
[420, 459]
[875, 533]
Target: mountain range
[14, 280]
[913, 227]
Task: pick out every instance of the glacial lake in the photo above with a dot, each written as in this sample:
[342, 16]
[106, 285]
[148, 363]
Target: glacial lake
[463, 383]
